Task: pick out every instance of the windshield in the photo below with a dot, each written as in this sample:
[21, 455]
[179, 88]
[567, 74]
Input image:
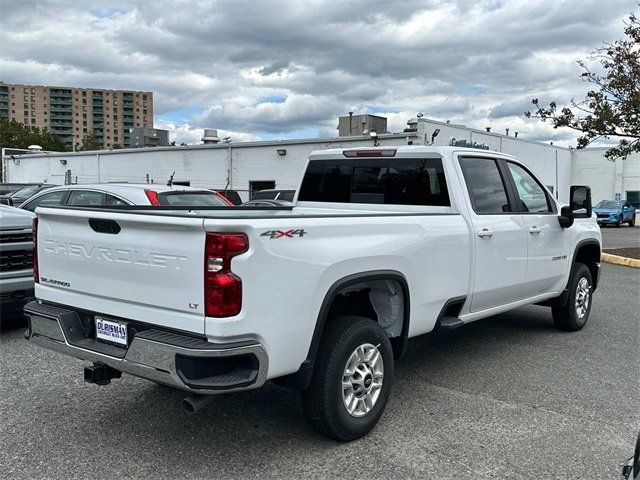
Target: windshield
[191, 199]
[608, 204]
[25, 192]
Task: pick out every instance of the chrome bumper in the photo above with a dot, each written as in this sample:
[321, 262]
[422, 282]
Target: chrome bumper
[152, 354]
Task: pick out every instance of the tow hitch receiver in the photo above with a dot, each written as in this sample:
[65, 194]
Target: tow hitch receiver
[100, 374]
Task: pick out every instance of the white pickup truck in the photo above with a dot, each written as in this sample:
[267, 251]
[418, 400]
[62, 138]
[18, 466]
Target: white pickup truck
[382, 244]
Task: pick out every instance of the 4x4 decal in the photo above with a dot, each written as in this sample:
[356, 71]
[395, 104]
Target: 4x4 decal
[284, 233]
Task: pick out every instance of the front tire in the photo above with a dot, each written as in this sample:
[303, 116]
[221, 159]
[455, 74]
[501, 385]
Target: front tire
[351, 380]
[632, 222]
[619, 222]
[573, 315]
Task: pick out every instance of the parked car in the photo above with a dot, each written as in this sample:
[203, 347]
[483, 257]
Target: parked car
[383, 244]
[267, 203]
[16, 260]
[18, 197]
[114, 194]
[274, 195]
[7, 188]
[631, 469]
[615, 212]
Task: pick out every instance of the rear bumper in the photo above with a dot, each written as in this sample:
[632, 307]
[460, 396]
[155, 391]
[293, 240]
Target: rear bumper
[170, 358]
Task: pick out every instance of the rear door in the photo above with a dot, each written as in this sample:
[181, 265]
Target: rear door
[548, 244]
[143, 267]
[499, 235]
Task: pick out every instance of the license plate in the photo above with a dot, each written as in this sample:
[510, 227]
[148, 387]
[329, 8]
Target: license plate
[110, 331]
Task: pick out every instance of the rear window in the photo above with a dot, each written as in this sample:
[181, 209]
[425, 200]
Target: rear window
[191, 199]
[396, 181]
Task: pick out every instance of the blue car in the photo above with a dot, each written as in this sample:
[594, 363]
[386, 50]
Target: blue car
[614, 212]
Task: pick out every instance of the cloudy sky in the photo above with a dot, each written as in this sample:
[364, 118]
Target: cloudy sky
[289, 69]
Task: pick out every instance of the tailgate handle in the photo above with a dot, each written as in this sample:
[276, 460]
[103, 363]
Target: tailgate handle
[104, 226]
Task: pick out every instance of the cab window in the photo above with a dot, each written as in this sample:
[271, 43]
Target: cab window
[485, 185]
[395, 181]
[532, 197]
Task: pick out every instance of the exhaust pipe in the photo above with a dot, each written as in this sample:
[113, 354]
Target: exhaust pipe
[193, 403]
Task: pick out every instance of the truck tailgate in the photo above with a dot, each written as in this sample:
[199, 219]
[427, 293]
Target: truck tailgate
[143, 267]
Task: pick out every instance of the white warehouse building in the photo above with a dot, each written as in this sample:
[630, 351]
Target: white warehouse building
[250, 166]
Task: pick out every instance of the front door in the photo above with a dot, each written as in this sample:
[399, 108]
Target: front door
[499, 236]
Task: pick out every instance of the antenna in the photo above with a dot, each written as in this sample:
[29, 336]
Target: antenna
[170, 182]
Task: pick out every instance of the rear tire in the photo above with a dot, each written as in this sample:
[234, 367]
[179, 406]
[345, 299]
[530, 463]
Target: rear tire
[352, 379]
[573, 315]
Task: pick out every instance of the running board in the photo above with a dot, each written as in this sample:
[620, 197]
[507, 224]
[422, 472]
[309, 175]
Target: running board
[449, 323]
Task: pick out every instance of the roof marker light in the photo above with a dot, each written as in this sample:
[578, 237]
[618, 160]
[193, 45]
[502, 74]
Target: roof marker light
[390, 152]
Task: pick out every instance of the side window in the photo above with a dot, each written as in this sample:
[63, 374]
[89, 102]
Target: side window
[85, 198]
[485, 185]
[113, 201]
[533, 198]
[46, 200]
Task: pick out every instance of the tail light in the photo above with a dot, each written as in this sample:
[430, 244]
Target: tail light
[152, 196]
[36, 276]
[222, 288]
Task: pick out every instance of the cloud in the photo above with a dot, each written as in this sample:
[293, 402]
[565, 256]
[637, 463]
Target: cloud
[473, 62]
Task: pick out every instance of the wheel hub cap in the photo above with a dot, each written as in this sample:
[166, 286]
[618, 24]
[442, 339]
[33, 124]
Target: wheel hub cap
[362, 380]
[583, 294]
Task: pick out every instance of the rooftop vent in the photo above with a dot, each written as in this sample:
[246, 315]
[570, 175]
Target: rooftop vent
[210, 136]
[34, 148]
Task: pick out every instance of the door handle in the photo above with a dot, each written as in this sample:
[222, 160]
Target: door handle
[485, 232]
[534, 230]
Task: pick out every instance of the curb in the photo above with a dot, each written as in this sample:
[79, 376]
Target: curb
[615, 259]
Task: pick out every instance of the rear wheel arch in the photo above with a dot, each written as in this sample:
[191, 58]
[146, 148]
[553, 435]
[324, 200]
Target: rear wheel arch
[330, 309]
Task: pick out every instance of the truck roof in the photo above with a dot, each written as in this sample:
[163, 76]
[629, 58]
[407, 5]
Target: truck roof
[401, 150]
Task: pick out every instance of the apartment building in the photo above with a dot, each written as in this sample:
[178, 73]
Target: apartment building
[73, 113]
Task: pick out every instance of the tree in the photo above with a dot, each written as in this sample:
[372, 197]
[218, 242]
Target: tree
[612, 108]
[16, 135]
[90, 142]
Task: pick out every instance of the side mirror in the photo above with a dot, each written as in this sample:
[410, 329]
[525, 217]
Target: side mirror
[579, 206]
[566, 217]
[6, 200]
[580, 201]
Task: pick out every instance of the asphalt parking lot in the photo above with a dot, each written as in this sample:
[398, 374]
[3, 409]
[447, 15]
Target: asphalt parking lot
[507, 397]
[623, 237]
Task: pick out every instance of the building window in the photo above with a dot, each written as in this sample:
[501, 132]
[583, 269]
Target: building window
[33, 98]
[84, 94]
[33, 90]
[84, 130]
[633, 197]
[33, 120]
